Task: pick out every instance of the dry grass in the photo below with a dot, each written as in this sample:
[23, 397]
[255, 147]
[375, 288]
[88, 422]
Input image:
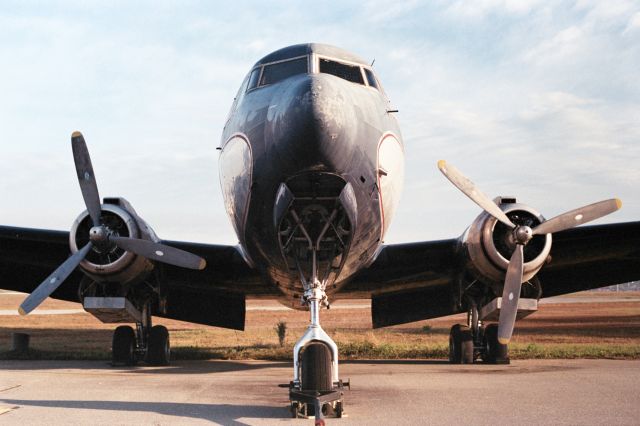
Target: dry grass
[571, 330]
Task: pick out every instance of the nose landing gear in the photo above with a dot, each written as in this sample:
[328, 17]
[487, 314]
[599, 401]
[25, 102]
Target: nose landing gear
[316, 389]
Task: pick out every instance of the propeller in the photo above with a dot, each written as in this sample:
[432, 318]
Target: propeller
[51, 283]
[522, 235]
[100, 236]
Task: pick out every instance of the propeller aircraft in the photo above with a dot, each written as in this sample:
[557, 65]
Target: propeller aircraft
[311, 169]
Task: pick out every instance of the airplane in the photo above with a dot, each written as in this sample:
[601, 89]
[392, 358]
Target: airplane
[311, 169]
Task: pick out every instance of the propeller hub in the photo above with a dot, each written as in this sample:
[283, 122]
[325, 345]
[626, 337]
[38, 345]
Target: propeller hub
[523, 234]
[98, 234]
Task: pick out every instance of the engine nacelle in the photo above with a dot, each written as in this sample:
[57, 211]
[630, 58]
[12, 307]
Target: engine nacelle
[489, 243]
[112, 264]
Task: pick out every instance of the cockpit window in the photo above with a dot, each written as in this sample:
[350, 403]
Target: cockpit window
[253, 79]
[371, 79]
[348, 72]
[279, 71]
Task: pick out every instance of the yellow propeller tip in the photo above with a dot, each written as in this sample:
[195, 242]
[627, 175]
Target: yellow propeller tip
[202, 265]
[21, 311]
[442, 164]
[76, 134]
[618, 203]
[503, 341]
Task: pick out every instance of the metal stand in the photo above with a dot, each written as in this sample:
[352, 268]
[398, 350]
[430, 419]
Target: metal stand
[323, 403]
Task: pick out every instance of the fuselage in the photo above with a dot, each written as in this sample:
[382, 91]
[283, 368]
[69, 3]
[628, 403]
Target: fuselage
[311, 166]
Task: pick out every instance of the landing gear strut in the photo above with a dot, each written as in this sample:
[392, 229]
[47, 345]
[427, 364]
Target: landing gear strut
[147, 342]
[315, 216]
[316, 389]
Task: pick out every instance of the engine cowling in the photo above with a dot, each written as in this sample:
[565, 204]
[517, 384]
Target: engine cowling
[489, 243]
[111, 263]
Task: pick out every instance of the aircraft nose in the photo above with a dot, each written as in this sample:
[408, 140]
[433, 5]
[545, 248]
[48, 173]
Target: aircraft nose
[313, 119]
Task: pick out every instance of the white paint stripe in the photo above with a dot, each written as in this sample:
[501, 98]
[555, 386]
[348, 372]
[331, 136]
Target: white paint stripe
[10, 312]
[4, 410]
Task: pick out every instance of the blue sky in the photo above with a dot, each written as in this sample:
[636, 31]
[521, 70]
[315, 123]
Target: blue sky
[535, 99]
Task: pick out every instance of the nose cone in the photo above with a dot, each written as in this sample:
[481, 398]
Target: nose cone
[311, 125]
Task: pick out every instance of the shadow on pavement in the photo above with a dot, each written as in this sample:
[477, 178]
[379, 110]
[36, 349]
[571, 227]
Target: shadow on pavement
[176, 367]
[220, 413]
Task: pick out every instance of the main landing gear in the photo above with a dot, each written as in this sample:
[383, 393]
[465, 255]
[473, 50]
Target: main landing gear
[475, 340]
[146, 342]
[316, 389]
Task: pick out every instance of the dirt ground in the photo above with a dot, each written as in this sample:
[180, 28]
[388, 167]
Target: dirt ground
[581, 319]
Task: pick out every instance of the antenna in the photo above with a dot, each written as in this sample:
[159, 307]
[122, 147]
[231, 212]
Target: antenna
[373, 62]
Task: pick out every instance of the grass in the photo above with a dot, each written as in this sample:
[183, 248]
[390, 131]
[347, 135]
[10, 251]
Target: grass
[558, 331]
[353, 351]
[574, 351]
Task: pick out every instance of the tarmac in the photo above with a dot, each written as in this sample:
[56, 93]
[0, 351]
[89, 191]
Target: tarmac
[409, 392]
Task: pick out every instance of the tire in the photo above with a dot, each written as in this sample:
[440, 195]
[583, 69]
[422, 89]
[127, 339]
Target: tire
[123, 346]
[316, 368]
[159, 347]
[495, 352]
[460, 345]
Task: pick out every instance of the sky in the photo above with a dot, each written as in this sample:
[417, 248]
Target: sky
[534, 99]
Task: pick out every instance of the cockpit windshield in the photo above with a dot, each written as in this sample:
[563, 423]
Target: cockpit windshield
[348, 72]
[265, 75]
[274, 73]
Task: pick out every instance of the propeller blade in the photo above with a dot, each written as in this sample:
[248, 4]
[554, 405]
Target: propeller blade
[470, 190]
[160, 252]
[53, 281]
[86, 178]
[511, 295]
[578, 216]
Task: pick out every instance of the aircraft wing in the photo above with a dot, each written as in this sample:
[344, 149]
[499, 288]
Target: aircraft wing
[214, 296]
[416, 281]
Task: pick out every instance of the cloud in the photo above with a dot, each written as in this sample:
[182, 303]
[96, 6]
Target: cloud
[561, 47]
[381, 11]
[534, 99]
[633, 24]
[482, 9]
